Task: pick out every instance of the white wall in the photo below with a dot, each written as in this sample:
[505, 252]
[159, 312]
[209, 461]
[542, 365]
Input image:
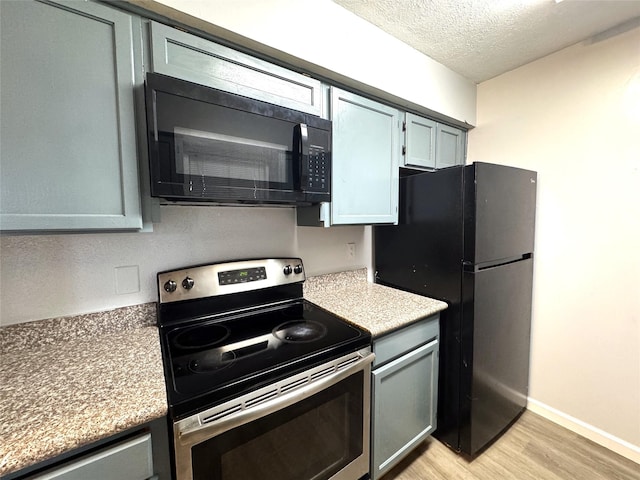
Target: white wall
[334, 42]
[574, 117]
[56, 275]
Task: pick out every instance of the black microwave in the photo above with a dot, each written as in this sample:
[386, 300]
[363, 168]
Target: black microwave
[207, 145]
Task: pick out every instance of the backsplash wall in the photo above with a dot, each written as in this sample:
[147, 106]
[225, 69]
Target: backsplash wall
[45, 276]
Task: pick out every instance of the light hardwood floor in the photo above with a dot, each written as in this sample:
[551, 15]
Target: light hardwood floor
[532, 449]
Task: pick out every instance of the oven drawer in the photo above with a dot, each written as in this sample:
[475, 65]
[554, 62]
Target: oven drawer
[129, 460]
[403, 340]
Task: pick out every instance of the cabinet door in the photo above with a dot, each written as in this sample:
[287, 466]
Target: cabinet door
[404, 406]
[365, 160]
[68, 133]
[449, 146]
[197, 60]
[420, 142]
[130, 460]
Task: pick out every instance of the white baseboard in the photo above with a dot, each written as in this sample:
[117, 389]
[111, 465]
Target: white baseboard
[615, 444]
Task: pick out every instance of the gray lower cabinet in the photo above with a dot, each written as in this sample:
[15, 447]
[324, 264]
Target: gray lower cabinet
[141, 453]
[365, 150]
[68, 131]
[129, 460]
[404, 392]
[189, 57]
[431, 145]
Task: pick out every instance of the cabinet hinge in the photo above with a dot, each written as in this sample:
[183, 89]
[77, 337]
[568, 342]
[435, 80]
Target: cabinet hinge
[404, 150]
[404, 126]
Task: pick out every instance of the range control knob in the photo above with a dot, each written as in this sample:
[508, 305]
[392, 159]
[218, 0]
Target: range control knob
[188, 283]
[170, 286]
[297, 269]
[287, 270]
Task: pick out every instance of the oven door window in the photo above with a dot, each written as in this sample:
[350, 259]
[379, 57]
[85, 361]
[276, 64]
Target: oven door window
[203, 148]
[312, 439]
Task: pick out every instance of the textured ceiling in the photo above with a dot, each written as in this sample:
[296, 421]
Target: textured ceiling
[481, 39]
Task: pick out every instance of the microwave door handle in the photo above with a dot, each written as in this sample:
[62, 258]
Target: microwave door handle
[301, 151]
[303, 138]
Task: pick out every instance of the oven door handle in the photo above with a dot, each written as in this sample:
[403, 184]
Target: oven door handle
[202, 426]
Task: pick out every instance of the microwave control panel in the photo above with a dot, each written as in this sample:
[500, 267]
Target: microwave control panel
[317, 170]
[315, 161]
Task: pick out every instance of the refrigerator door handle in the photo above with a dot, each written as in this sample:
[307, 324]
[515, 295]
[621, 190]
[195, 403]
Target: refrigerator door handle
[473, 268]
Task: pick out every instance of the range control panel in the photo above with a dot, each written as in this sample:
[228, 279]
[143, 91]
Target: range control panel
[242, 276]
[202, 281]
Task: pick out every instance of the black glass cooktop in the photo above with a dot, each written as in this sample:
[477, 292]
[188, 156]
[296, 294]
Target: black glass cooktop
[210, 360]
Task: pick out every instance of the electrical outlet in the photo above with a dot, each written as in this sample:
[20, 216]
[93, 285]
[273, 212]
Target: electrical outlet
[351, 251]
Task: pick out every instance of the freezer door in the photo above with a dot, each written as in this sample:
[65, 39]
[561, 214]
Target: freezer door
[499, 211]
[496, 338]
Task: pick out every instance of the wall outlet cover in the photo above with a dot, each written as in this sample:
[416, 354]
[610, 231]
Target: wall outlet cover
[127, 279]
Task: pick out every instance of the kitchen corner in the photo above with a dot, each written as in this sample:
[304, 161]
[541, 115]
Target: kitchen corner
[57, 396]
[162, 137]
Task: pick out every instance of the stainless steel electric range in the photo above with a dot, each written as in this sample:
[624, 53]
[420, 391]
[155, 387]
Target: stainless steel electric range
[261, 383]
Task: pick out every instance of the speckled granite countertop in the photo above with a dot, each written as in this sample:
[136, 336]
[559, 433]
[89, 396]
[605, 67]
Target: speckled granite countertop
[68, 382]
[375, 307]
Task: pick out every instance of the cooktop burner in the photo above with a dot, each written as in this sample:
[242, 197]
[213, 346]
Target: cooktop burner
[239, 326]
[212, 361]
[200, 336]
[300, 331]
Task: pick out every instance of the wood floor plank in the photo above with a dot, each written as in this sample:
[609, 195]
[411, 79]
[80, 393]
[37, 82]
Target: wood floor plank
[534, 448]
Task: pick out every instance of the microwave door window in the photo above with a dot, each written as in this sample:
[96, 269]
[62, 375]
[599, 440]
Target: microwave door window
[231, 161]
[223, 152]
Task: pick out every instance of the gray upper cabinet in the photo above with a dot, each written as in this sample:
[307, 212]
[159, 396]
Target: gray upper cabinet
[420, 141]
[365, 153]
[449, 146]
[198, 60]
[69, 158]
[430, 144]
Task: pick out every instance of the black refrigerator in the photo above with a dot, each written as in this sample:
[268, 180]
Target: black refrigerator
[466, 236]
